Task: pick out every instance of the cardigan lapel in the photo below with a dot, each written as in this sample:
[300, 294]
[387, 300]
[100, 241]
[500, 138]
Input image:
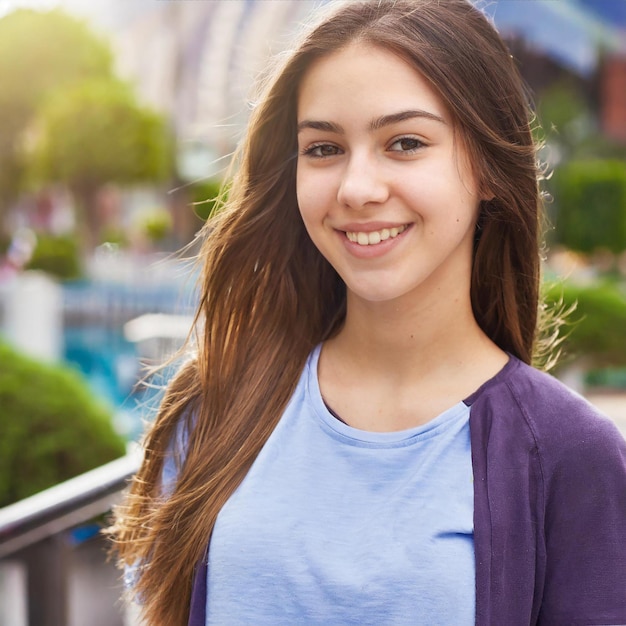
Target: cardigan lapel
[197, 610]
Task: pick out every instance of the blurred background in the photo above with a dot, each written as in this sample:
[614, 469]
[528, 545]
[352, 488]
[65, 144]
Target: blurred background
[117, 119]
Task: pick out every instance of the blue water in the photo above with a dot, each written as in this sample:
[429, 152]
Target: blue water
[113, 371]
[95, 313]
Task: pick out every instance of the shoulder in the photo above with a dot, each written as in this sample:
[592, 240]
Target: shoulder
[556, 421]
[555, 412]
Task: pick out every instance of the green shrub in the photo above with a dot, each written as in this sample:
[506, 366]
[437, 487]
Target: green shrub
[156, 224]
[51, 427]
[596, 329]
[56, 255]
[114, 236]
[204, 197]
[607, 377]
[590, 202]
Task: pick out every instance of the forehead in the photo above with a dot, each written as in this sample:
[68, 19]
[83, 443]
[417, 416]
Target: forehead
[375, 78]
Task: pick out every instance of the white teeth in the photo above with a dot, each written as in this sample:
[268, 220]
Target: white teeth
[376, 236]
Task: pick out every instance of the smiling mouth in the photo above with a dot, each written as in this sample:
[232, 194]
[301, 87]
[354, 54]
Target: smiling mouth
[375, 236]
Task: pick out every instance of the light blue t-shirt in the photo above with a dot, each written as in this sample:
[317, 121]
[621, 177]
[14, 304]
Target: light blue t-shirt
[335, 526]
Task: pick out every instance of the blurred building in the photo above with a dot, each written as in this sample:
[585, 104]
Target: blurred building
[613, 97]
[198, 60]
[580, 40]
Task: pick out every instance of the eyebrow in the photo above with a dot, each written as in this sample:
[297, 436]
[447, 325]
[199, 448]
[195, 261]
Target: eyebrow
[377, 124]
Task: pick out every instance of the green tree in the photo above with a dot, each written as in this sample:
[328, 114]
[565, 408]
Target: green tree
[58, 255]
[590, 202]
[204, 197]
[40, 53]
[596, 325]
[565, 115]
[51, 427]
[96, 133]
[570, 125]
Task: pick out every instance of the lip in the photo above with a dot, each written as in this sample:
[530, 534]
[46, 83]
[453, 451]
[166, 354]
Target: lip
[376, 250]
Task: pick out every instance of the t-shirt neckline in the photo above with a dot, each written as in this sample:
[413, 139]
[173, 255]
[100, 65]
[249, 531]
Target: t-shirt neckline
[433, 427]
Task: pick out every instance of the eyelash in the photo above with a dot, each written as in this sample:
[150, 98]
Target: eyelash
[310, 151]
[419, 144]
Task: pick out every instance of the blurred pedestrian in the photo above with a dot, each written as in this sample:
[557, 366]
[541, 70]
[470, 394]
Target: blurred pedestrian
[360, 437]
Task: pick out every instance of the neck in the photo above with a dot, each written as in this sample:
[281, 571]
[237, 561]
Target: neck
[406, 337]
[387, 355]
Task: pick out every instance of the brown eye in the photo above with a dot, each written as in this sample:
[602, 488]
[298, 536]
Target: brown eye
[328, 150]
[322, 150]
[406, 144]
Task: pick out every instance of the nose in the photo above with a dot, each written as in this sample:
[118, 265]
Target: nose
[362, 182]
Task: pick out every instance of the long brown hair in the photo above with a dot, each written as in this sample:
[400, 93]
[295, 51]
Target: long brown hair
[268, 296]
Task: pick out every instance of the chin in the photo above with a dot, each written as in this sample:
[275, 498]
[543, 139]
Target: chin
[373, 295]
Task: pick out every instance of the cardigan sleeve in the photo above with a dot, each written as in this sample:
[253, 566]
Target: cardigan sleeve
[585, 524]
[549, 505]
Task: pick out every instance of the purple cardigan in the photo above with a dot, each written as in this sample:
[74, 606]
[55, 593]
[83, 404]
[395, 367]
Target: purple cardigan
[549, 507]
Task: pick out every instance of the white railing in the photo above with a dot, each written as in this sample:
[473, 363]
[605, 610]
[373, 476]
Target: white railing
[48, 576]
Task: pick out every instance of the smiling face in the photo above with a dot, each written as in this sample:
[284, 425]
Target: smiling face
[384, 190]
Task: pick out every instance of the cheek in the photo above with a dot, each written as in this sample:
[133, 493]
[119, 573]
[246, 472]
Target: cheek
[313, 195]
[304, 206]
[462, 192]
[302, 193]
[308, 210]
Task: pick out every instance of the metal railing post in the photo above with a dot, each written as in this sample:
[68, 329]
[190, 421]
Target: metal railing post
[47, 581]
[35, 543]
[13, 593]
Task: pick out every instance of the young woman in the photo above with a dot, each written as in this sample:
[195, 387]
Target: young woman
[359, 437]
